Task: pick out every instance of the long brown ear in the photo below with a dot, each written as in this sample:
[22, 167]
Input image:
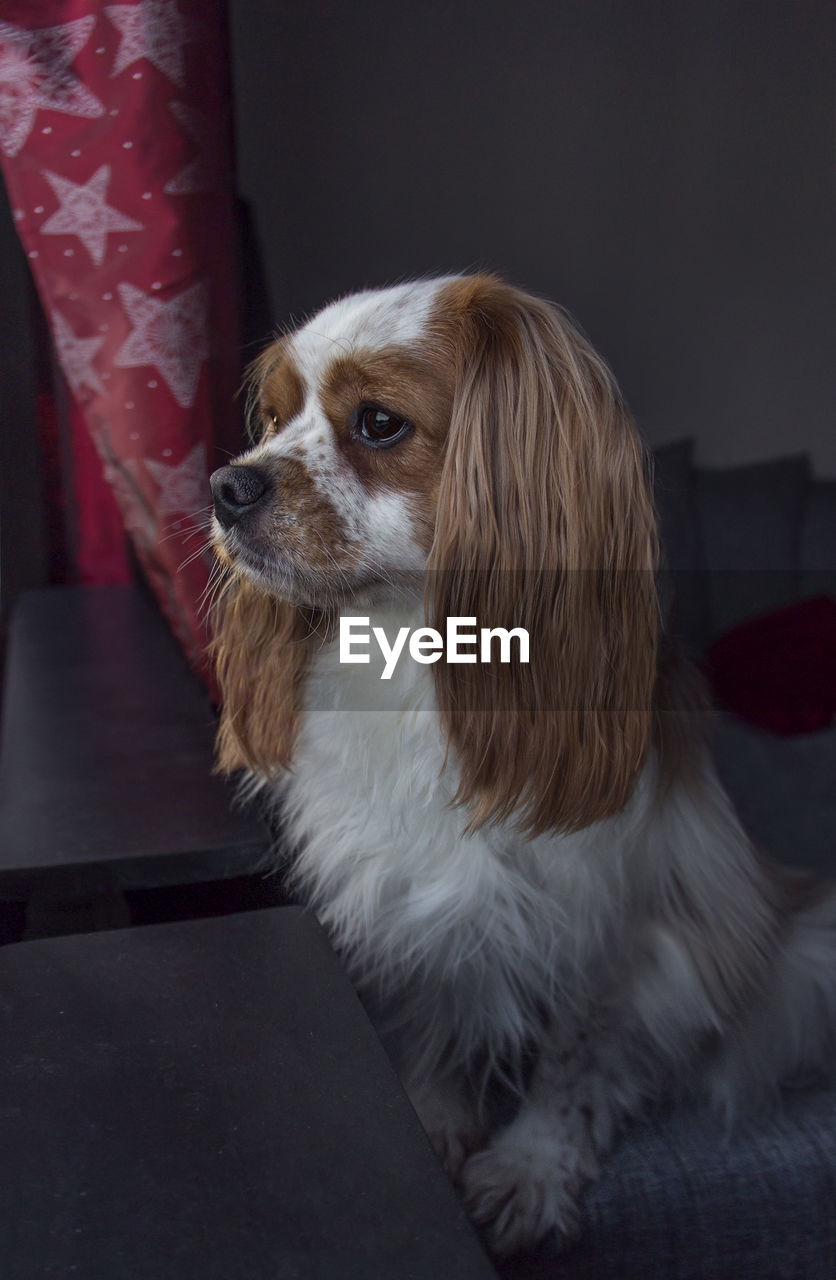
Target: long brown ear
[261, 649]
[545, 521]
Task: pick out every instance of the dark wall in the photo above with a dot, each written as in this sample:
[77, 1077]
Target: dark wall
[663, 169]
[23, 551]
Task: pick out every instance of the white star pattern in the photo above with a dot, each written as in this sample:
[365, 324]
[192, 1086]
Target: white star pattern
[172, 336]
[156, 30]
[202, 173]
[85, 213]
[76, 355]
[184, 488]
[35, 73]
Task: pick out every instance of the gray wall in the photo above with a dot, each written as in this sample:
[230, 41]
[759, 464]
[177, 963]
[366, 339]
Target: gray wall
[664, 169]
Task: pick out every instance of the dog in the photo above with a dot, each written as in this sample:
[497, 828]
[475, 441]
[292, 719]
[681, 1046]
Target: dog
[530, 870]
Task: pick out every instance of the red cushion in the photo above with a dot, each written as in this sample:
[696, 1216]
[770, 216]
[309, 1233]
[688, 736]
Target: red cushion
[778, 671]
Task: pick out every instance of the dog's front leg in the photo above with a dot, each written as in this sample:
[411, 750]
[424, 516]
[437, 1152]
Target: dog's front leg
[451, 1117]
[529, 1179]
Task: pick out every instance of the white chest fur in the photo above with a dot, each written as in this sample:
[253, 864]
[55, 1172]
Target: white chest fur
[485, 921]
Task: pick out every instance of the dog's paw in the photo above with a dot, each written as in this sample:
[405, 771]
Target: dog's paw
[524, 1185]
[452, 1126]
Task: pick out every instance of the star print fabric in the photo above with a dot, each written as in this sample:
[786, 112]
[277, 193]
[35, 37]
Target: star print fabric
[115, 143]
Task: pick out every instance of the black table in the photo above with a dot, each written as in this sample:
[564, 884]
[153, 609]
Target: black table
[206, 1100]
[106, 755]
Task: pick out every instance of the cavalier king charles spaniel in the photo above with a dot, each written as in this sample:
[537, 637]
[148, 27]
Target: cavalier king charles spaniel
[530, 870]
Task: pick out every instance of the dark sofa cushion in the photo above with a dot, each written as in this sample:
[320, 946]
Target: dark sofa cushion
[750, 523]
[783, 791]
[818, 540]
[682, 580]
[679, 1202]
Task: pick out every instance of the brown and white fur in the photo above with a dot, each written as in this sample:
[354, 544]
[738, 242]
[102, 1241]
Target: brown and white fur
[532, 872]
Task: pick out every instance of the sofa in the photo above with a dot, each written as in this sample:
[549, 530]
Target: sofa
[750, 562]
[749, 591]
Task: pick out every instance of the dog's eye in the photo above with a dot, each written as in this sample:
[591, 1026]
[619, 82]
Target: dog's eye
[378, 427]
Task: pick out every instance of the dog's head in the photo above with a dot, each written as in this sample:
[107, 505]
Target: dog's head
[463, 435]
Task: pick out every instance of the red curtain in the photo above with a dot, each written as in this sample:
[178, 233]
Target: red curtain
[115, 143]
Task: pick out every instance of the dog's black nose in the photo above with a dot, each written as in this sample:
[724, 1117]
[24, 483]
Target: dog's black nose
[236, 490]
